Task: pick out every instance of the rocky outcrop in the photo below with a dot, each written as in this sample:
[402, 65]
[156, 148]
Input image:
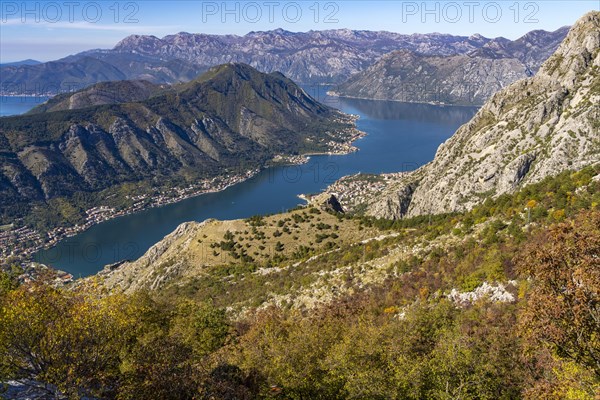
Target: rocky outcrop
[497, 293]
[534, 128]
[332, 205]
[159, 265]
[395, 204]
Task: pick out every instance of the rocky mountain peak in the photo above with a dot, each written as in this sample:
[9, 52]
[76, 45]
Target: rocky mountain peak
[577, 53]
[138, 42]
[413, 74]
[476, 36]
[478, 39]
[332, 204]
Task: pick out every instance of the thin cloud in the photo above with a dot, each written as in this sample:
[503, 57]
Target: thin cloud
[89, 26]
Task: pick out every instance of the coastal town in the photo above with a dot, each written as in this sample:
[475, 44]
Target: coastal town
[352, 134]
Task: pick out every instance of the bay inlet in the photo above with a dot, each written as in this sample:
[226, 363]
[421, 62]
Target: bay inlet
[400, 137]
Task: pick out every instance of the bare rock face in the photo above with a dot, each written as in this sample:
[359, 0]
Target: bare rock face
[332, 204]
[394, 205]
[534, 128]
[308, 57]
[328, 56]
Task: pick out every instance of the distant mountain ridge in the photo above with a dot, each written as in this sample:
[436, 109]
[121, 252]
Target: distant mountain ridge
[531, 49]
[461, 79]
[22, 62]
[78, 72]
[314, 57]
[307, 57]
[409, 77]
[111, 92]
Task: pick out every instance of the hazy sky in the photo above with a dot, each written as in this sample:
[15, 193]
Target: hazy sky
[48, 30]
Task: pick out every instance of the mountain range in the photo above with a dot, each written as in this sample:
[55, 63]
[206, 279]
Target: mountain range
[462, 79]
[110, 92]
[474, 276]
[536, 128]
[22, 62]
[229, 117]
[314, 57]
[409, 77]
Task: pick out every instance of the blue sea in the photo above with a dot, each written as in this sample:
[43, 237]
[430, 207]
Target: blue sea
[15, 105]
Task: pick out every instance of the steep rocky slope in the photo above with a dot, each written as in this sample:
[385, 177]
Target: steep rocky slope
[532, 49]
[462, 79]
[232, 116]
[534, 128]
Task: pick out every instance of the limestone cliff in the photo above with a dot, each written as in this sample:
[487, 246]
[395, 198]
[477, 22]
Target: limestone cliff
[411, 77]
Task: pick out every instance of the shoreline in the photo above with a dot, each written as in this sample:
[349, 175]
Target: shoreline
[155, 202]
[333, 93]
[28, 95]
